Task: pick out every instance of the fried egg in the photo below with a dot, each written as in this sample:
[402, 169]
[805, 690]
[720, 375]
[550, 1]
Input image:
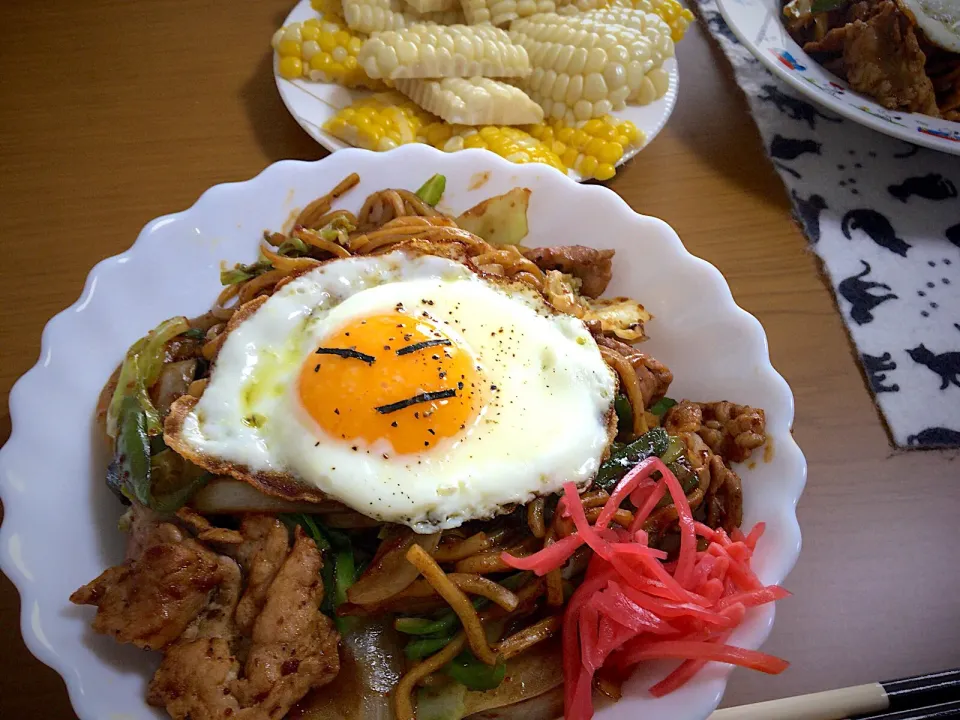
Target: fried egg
[408, 387]
[939, 20]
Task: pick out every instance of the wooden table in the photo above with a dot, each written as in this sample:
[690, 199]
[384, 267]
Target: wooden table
[112, 113]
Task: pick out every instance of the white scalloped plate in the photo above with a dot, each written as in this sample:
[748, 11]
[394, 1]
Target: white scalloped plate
[312, 104]
[60, 526]
[758, 25]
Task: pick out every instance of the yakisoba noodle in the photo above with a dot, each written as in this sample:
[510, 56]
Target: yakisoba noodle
[457, 587]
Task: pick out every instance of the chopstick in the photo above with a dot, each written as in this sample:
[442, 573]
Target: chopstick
[888, 700]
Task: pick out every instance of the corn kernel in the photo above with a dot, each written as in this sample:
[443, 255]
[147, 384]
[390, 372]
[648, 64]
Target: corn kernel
[629, 130]
[322, 62]
[604, 171]
[594, 147]
[610, 153]
[473, 141]
[565, 135]
[588, 166]
[579, 139]
[569, 156]
[438, 134]
[592, 127]
[291, 67]
[309, 32]
[289, 48]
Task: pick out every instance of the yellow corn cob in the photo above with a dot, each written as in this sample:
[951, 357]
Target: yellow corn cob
[380, 122]
[592, 148]
[584, 69]
[369, 16]
[434, 51]
[323, 51]
[429, 6]
[510, 143]
[473, 101]
[672, 12]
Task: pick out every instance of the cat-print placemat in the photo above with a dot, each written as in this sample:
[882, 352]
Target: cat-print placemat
[884, 218]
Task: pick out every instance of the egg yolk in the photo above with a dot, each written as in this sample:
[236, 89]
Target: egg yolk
[392, 377]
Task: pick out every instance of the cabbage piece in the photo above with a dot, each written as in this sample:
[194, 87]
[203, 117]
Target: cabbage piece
[500, 220]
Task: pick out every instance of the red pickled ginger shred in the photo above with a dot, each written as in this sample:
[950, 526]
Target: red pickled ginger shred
[632, 607]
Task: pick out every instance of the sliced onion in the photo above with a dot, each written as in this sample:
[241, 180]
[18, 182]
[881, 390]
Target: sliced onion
[226, 496]
[389, 572]
[531, 675]
[175, 379]
[371, 664]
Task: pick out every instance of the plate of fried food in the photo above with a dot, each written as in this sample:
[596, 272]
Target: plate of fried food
[892, 65]
[581, 86]
[362, 440]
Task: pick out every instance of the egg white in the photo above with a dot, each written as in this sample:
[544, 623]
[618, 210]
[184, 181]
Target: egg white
[546, 423]
[939, 20]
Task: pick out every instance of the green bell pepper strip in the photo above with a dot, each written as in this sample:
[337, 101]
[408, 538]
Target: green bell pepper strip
[132, 454]
[674, 451]
[467, 670]
[426, 646]
[624, 412]
[661, 406]
[654, 442]
[139, 476]
[140, 369]
[432, 190]
[448, 622]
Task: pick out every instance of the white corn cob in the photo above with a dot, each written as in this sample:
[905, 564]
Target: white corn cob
[369, 16]
[585, 72]
[501, 12]
[435, 51]
[473, 101]
[647, 22]
[647, 41]
[429, 6]
[573, 7]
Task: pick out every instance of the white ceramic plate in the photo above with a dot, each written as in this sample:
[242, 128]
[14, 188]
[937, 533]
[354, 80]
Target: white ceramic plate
[312, 104]
[758, 25]
[60, 526]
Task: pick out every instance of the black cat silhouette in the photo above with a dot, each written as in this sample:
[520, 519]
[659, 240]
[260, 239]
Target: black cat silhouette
[856, 291]
[909, 152]
[809, 212]
[877, 227]
[790, 148]
[953, 234]
[935, 437]
[932, 187]
[797, 109]
[717, 24]
[877, 368]
[946, 365]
